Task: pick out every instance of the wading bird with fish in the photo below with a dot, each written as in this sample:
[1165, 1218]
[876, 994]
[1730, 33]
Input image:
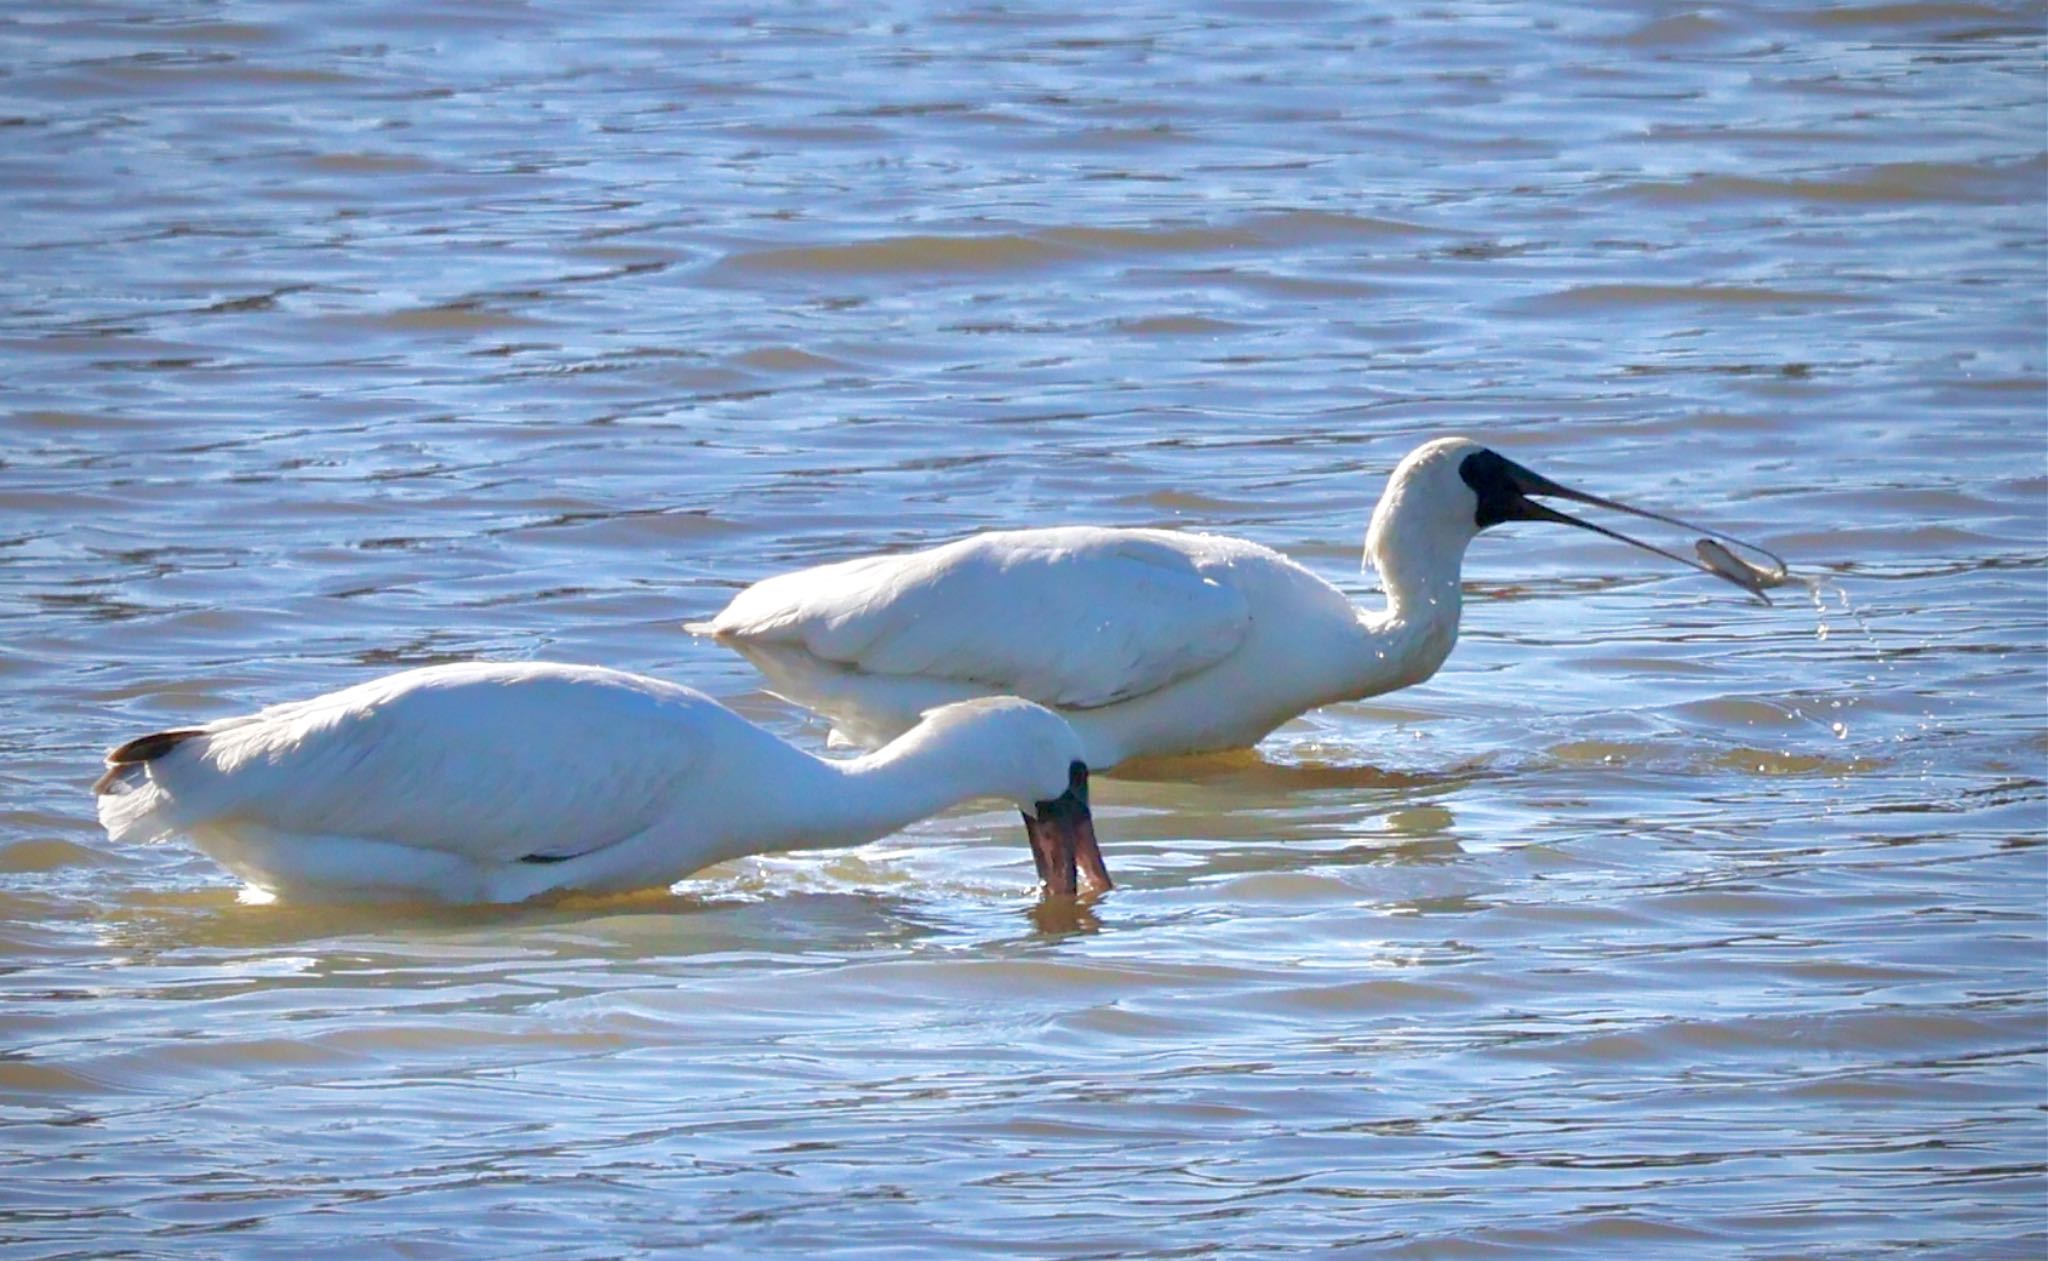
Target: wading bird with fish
[488, 782]
[1152, 642]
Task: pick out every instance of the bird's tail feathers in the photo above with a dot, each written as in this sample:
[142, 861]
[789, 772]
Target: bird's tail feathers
[131, 810]
[129, 800]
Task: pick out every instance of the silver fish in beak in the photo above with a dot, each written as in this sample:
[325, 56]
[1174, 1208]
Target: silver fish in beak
[1752, 578]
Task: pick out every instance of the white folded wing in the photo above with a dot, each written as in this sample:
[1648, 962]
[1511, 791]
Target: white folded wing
[1078, 617]
[493, 762]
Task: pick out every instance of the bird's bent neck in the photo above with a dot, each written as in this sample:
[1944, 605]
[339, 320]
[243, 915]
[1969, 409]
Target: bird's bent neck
[1405, 642]
[825, 803]
[1422, 574]
[1314, 661]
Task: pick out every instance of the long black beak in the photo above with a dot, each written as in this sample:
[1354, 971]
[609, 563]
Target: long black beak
[1063, 841]
[1504, 489]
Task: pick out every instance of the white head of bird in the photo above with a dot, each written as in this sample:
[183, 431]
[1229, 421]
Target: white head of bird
[1425, 520]
[1030, 756]
[1024, 753]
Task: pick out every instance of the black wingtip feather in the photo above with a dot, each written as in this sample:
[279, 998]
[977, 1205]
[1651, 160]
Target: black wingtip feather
[150, 747]
[137, 751]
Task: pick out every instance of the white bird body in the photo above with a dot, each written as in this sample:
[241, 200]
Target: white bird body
[487, 782]
[1149, 642]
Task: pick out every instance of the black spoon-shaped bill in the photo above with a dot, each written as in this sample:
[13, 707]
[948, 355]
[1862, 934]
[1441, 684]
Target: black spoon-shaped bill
[1505, 489]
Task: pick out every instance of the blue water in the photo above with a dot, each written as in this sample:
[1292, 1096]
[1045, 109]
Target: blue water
[338, 339]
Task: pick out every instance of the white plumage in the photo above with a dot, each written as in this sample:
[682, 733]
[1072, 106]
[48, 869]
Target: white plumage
[497, 782]
[1149, 642]
[984, 611]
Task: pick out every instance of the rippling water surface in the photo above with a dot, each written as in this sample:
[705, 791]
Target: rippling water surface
[341, 338]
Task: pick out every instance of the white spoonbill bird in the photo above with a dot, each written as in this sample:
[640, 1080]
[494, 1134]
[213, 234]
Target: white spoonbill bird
[487, 782]
[1149, 642]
